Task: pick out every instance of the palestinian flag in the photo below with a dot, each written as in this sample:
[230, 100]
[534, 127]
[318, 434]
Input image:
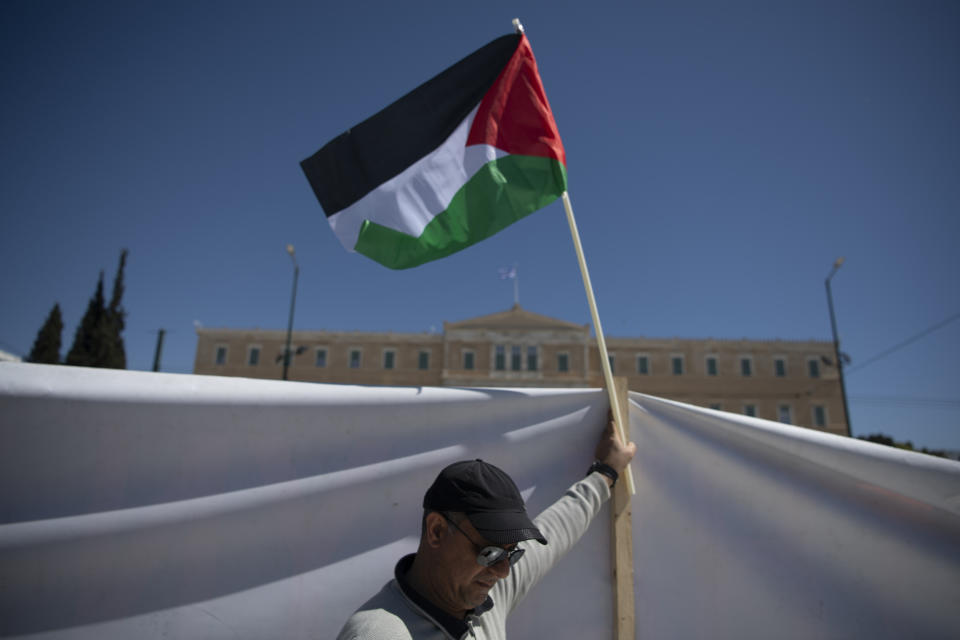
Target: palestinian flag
[454, 161]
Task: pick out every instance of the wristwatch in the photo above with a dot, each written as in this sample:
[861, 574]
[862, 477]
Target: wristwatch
[606, 470]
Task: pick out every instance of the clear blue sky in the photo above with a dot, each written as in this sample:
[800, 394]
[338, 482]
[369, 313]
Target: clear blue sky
[721, 156]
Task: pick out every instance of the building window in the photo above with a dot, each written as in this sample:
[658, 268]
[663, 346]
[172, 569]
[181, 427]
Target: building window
[643, 365]
[516, 358]
[746, 367]
[253, 356]
[612, 360]
[423, 360]
[355, 358]
[563, 362]
[819, 416]
[780, 367]
[321, 358]
[500, 359]
[221, 355]
[813, 368]
[784, 414]
[531, 358]
[389, 359]
[468, 360]
[711, 365]
[676, 363]
[750, 410]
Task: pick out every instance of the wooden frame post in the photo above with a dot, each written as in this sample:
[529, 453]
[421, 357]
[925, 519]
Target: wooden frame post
[621, 544]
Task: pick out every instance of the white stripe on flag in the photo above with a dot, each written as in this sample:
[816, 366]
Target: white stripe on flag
[410, 200]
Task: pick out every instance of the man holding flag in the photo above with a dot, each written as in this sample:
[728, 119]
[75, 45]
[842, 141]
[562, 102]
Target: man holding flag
[477, 558]
[453, 162]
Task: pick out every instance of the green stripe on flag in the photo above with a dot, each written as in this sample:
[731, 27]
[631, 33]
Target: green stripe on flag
[500, 193]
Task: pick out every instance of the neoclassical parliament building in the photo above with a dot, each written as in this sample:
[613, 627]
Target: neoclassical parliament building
[789, 381]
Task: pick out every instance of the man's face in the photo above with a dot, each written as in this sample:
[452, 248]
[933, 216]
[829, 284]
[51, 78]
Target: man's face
[467, 582]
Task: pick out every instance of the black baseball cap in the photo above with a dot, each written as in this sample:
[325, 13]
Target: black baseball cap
[489, 498]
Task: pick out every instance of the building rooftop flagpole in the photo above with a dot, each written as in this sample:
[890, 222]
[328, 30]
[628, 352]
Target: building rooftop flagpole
[516, 285]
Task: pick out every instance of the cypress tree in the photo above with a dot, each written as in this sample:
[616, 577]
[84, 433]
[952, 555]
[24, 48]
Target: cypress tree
[46, 348]
[91, 341]
[115, 320]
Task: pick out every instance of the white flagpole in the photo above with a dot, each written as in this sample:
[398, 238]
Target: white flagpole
[604, 360]
[516, 285]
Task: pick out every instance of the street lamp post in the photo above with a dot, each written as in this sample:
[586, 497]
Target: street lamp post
[836, 344]
[293, 302]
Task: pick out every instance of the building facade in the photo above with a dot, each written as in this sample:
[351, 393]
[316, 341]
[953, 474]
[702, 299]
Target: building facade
[794, 382]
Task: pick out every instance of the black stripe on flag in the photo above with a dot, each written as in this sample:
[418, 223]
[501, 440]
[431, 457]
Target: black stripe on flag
[382, 146]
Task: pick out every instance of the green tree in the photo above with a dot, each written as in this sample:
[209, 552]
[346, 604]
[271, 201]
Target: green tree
[116, 320]
[98, 341]
[92, 339]
[46, 348]
[881, 438]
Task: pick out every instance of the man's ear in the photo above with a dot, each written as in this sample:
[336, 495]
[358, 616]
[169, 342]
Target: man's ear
[435, 530]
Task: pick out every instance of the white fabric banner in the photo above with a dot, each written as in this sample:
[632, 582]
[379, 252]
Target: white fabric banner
[745, 528]
[141, 505]
[155, 505]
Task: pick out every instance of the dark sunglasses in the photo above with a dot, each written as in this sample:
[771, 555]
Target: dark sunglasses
[489, 556]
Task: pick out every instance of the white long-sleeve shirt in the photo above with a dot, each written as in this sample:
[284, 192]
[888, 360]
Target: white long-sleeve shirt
[391, 615]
